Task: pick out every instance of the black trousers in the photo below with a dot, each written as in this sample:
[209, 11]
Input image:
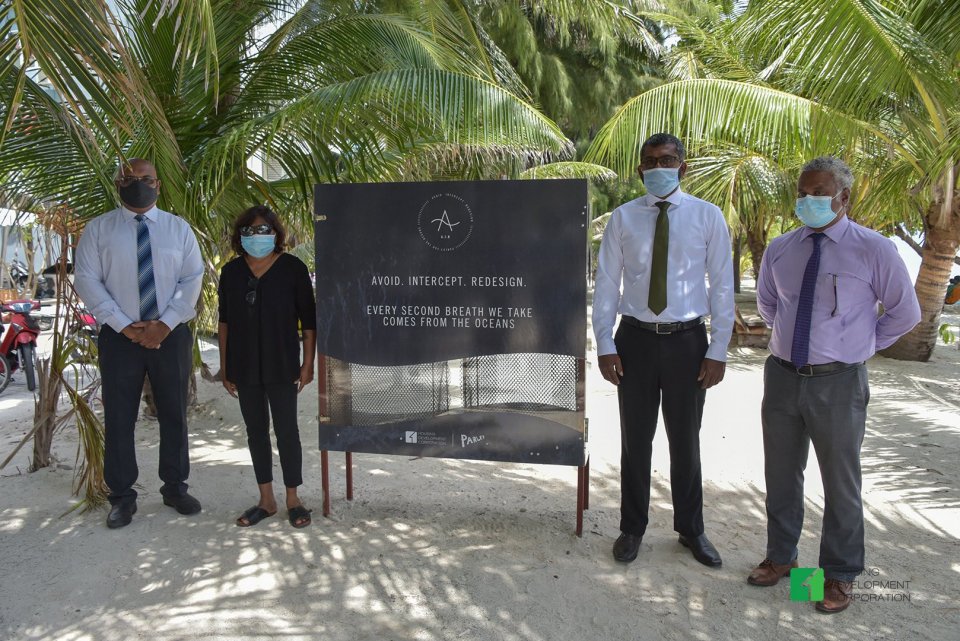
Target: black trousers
[257, 402]
[661, 370]
[123, 365]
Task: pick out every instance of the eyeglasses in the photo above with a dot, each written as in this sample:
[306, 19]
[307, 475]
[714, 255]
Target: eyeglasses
[256, 230]
[127, 180]
[667, 162]
[251, 296]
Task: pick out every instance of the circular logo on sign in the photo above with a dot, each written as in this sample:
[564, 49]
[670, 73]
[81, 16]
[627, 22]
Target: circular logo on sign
[445, 222]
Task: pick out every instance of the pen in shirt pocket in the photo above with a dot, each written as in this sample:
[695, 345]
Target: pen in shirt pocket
[836, 294]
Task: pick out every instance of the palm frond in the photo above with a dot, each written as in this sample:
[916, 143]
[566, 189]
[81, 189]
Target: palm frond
[569, 169]
[708, 112]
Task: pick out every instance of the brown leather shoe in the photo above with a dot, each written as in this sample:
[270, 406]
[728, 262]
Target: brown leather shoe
[837, 596]
[769, 573]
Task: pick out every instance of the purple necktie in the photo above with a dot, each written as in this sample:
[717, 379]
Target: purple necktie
[800, 351]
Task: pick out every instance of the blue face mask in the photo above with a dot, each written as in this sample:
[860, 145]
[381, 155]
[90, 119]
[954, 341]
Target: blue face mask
[661, 182]
[816, 211]
[259, 245]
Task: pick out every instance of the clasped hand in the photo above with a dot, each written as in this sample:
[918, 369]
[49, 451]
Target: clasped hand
[147, 334]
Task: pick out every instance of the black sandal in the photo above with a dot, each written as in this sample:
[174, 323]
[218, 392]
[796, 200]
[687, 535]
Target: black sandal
[253, 516]
[300, 514]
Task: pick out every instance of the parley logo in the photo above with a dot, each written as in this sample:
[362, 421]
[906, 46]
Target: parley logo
[445, 222]
[410, 437]
[806, 584]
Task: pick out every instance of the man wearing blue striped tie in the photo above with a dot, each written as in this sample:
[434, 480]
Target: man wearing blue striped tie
[138, 269]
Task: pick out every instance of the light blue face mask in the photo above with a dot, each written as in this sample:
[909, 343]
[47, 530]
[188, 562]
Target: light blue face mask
[816, 211]
[661, 181]
[258, 245]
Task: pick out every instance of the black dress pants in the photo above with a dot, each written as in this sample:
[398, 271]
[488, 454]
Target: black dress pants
[257, 403]
[123, 365]
[661, 369]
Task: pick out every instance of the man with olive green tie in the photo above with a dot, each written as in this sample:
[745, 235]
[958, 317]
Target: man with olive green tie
[662, 247]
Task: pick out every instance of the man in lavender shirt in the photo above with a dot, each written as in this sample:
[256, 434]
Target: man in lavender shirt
[819, 288]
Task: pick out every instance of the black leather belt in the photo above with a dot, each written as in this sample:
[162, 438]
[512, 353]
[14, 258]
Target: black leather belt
[813, 370]
[663, 328]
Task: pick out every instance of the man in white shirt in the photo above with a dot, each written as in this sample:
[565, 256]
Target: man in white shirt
[662, 247]
[138, 269]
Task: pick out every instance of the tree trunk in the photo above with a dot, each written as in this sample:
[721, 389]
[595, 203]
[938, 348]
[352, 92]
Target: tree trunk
[45, 414]
[757, 243]
[737, 253]
[939, 250]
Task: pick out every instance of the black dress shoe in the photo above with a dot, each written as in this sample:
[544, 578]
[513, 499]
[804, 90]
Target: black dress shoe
[702, 549]
[626, 547]
[184, 504]
[121, 514]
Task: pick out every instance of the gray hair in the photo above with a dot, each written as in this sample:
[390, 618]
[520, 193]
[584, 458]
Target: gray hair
[842, 176]
[659, 140]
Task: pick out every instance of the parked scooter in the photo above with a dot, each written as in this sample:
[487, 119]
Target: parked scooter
[85, 330]
[19, 343]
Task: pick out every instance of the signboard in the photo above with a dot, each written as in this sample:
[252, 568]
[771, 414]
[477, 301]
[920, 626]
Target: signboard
[453, 318]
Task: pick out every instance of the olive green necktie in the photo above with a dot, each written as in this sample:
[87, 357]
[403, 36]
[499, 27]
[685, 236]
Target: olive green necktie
[657, 298]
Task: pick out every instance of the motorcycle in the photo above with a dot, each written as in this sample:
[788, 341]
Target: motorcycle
[19, 344]
[85, 330]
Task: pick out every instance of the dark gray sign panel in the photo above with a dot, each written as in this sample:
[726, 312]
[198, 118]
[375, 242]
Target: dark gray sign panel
[453, 318]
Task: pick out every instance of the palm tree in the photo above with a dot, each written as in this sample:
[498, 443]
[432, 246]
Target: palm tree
[875, 82]
[315, 89]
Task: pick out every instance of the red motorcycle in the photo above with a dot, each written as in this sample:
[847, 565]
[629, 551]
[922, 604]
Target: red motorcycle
[18, 348]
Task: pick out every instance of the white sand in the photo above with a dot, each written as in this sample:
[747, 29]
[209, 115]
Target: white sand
[441, 549]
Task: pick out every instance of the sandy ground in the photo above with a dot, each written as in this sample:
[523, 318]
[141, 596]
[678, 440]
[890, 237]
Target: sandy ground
[436, 549]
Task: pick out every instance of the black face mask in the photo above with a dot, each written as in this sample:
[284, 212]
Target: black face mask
[137, 194]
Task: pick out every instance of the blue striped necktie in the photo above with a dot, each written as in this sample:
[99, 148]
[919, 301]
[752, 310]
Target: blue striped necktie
[148, 289]
[800, 351]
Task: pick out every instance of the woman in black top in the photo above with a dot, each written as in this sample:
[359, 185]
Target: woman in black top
[266, 299]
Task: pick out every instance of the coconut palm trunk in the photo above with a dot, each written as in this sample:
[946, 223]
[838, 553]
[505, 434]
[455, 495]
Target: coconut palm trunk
[939, 251]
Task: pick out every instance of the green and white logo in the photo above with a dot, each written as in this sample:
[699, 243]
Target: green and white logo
[806, 584]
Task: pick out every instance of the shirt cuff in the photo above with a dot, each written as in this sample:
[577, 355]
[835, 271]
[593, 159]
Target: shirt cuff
[717, 352]
[606, 346]
[170, 319]
[118, 322]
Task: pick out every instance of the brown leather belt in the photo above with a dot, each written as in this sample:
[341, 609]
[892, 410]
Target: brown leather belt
[663, 328]
[813, 370]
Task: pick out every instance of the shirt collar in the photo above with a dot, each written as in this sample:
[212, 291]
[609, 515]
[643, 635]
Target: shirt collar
[673, 199]
[150, 214]
[834, 232]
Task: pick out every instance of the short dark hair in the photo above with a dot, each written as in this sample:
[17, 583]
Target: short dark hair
[659, 140]
[246, 218]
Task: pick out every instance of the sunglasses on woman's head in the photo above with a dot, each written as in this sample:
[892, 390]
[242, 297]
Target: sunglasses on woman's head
[256, 230]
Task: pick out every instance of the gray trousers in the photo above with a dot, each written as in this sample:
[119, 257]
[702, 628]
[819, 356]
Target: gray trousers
[830, 410]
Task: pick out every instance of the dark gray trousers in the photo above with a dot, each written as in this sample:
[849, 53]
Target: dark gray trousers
[830, 410]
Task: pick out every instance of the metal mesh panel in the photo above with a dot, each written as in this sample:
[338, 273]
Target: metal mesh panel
[369, 395]
[531, 382]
